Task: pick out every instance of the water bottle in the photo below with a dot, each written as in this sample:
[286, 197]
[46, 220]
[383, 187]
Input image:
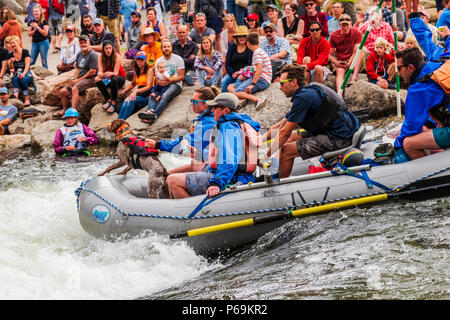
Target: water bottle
[106, 81]
[185, 148]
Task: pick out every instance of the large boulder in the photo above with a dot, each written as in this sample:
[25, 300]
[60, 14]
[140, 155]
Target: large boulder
[41, 72]
[52, 85]
[42, 136]
[15, 141]
[15, 6]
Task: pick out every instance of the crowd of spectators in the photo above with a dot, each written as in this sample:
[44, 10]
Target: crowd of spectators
[216, 43]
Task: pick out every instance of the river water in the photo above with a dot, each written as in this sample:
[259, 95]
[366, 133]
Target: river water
[393, 251]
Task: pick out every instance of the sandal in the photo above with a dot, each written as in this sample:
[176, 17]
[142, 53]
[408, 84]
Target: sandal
[149, 122]
[111, 109]
[58, 114]
[148, 115]
[106, 105]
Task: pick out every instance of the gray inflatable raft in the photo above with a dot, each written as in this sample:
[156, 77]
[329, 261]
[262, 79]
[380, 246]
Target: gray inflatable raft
[117, 206]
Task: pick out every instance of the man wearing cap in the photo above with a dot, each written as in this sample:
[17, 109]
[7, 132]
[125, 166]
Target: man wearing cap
[344, 44]
[278, 49]
[102, 35]
[272, 13]
[152, 46]
[86, 65]
[108, 11]
[73, 137]
[133, 31]
[8, 112]
[229, 163]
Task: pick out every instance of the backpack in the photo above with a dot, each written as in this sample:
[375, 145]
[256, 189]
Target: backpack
[59, 7]
[29, 113]
[442, 77]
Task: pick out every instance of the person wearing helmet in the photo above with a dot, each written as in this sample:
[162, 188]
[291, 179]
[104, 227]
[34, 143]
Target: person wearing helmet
[73, 137]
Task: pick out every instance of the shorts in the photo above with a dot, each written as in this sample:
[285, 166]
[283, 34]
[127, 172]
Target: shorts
[326, 72]
[215, 23]
[442, 137]
[83, 85]
[312, 146]
[55, 27]
[241, 85]
[112, 25]
[198, 182]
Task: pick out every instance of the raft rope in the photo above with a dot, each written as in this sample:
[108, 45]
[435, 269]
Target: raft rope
[282, 209]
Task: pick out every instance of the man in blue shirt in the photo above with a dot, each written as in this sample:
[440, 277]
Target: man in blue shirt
[8, 112]
[444, 18]
[426, 99]
[277, 48]
[329, 126]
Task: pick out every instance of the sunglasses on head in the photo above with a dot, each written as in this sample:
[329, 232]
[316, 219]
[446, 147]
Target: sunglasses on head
[314, 29]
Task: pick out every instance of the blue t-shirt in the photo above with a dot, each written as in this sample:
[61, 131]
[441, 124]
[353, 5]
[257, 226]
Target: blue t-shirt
[444, 19]
[127, 7]
[7, 112]
[305, 100]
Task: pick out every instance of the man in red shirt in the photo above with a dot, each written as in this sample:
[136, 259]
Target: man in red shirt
[344, 44]
[313, 53]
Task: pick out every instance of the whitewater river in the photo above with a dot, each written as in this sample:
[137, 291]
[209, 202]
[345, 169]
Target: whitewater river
[393, 251]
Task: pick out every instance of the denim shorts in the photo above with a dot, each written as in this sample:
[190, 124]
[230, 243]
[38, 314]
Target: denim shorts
[442, 137]
[198, 182]
[241, 85]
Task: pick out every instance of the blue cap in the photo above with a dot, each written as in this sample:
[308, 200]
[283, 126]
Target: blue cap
[97, 21]
[71, 112]
[136, 13]
[4, 90]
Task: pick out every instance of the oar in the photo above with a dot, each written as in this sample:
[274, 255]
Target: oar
[358, 52]
[304, 212]
[397, 78]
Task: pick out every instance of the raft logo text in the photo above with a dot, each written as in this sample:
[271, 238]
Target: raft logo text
[100, 213]
[230, 309]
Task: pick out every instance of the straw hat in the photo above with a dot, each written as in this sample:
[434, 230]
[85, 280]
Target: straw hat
[241, 31]
[149, 30]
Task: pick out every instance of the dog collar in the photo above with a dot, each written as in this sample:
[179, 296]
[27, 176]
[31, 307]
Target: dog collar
[123, 131]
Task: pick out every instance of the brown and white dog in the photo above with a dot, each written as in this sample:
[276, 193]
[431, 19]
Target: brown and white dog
[137, 160]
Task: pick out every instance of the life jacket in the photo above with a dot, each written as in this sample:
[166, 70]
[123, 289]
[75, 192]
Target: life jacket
[71, 135]
[442, 77]
[249, 158]
[332, 106]
[138, 149]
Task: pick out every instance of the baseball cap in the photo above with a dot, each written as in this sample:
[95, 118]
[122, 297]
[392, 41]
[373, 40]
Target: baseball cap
[225, 99]
[97, 21]
[84, 37]
[70, 27]
[141, 54]
[345, 18]
[136, 13]
[253, 16]
[4, 90]
[270, 25]
[273, 6]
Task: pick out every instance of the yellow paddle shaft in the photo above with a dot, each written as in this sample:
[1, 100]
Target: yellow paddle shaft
[296, 213]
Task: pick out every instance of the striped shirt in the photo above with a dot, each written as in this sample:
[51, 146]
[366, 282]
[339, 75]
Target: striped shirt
[260, 56]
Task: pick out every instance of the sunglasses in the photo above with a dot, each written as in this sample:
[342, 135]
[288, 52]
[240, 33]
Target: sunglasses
[195, 102]
[314, 30]
[310, 4]
[269, 31]
[69, 31]
[345, 19]
[282, 82]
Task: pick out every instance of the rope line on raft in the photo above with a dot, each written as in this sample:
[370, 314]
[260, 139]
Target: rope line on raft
[82, 188]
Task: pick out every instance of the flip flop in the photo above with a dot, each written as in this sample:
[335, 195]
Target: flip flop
[149, 122]
[106, 105]
[58, 114]
[111, 109]
[148, 115]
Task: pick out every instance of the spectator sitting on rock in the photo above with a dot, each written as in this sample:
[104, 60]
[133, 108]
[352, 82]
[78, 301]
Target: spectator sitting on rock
[73, 137]
[86, 65]
[313, 15]
[290, 26]
[140, 87]
[70, 47]
[337, 11]
[344, 44]
[226, 37]
[252, 22]
[208, 64]
[277, 48]
[187, 50]
[110, 75]
[87, 28]
[201, 30]
[313, 53]
[19, 65]
[152, 22]
[133, 42]
[11, 27]
[378, 65]
[213, 11]
[100, 35]
[8, 112]
[152, 48]
[238, 57]
[175, 67]
[245, 89]
[272, 13]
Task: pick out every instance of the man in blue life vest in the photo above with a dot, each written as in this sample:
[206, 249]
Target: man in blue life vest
[426, 106]
[197, 141]
[316, 108]
[73, 137]
[232, 152]
[8, 112]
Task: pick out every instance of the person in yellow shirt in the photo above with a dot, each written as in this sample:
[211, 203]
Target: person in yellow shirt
[151, 46]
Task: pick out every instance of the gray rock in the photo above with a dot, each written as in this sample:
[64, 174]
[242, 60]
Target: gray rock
[42, 135]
